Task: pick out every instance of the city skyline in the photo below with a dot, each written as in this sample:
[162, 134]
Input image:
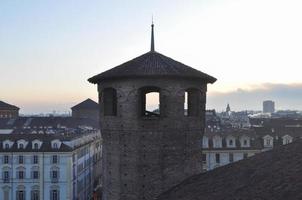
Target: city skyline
[49, 50]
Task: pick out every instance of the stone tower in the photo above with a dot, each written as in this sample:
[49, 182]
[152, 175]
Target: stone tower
[147, 152]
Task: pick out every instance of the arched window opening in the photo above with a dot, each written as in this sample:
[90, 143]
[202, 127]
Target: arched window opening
[191, 102]
[150, 99]
[110, 102]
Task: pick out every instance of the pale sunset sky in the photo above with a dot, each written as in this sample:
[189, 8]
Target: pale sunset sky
[49, 48]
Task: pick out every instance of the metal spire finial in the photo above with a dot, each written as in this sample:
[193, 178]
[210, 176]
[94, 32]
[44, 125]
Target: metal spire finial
[152, 36]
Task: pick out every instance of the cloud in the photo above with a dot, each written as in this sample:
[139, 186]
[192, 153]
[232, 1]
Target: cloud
[286, 96]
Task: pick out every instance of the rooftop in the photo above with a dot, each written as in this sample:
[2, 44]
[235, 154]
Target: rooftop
[6, 106]
[274, 174]
[47, 124]
[87, 104]
[66, 142]
[152, 64]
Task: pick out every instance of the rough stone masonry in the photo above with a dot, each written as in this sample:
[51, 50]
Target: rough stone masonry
[146, 153]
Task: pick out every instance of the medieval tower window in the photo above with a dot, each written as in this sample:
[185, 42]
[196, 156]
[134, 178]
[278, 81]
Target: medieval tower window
[150, 101]
[191, 102]
[110, 102]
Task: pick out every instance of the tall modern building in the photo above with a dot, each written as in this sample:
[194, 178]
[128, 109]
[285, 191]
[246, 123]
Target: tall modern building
[147, 151]
[268, 106]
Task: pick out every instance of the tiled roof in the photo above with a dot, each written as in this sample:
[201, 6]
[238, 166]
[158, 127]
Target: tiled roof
[45, 138]
[87, 104]
[276, 122]
[229, 131]
[152, 64]
[23, 124]
[279, 131]
[274, 174]
[7, 106]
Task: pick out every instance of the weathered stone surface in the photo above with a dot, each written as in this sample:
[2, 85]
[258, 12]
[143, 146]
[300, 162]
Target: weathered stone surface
[144, 156]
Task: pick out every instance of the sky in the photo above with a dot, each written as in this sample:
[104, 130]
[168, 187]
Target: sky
[49, 48]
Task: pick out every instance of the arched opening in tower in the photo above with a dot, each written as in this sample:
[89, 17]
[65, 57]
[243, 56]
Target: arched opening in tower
[150, 99]
[186, 104]
[192, 98]
[152, 102]
[109, 101]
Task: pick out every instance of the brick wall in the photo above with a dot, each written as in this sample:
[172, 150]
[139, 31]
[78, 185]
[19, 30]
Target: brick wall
[144, 156]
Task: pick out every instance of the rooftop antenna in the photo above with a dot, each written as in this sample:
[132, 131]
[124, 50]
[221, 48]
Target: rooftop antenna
[152, 36]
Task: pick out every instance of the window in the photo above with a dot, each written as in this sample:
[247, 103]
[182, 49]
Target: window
[21, 160]
[54, 159]
[35, 174]
[230, 142]
[35, 159]
[54, 175]
[20, 195]
[55, 145]
[6, 146]
[6, 176]
[6, 159]
[217, 142]
[110, 102]
[186, 104]
[34, 195]
[287, 139]
[268, 142]
[192, 102]
[217, 157]
[21, 146]
[231, 157]
[150, 101]
[205, 142]
[245, 141]
[36, 146]
[54, 195]
[20, 174]
[204, 158]
[245, 155]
